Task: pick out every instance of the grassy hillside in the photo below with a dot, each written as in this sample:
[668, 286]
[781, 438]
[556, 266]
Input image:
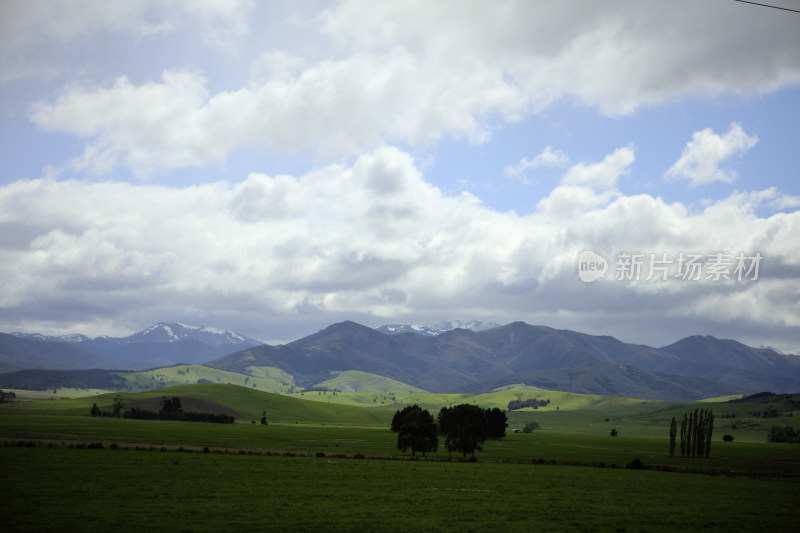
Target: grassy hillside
[270, 372]
[247, 402]
[259, 378]
[566, 401]
[571, 414]
[357, 381]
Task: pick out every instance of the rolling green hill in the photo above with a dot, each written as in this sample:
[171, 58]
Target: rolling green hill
[258, 378]
[748, 420]
[247, 402]
[356, 381]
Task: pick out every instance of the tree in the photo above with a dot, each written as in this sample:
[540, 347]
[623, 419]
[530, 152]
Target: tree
[444, 418]
[614, 432]
[418, 432]
[170, 407]
[689, 432]
[683, 435]
[95, 410]
[530, 426]
[496, 423]
[263, 418]
[709, 430]
[466, 428]
[117, 406]
[397, 419]
[6, 397]
[673, 431]
[696, 431]
[699, 427]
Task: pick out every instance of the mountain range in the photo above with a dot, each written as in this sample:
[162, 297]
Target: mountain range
[162, 344]
[438, 359]
[462, 360]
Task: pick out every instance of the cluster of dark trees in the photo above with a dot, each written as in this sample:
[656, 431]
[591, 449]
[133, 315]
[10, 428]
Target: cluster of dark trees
[695, 433]
[115, 413]
[465, 427]
[171, 409]
[532, 402]
[783, 434]
[769, 412]
[530, 426]
[416, 430]
[6, 397]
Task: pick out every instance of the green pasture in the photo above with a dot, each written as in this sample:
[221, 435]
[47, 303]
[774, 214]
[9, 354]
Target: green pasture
[357, 381]
[525, 448]
[332, 463]
[260, 378]
[576, 433]
[57, 489]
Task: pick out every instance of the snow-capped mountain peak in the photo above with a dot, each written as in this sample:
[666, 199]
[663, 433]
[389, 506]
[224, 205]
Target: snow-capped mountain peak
[72, 338]
[436, 329]
[162, 332]
[178, 331]
[474, 325]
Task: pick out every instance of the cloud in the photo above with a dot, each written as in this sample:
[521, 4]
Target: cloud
[373, 241]
[616, 57]
[218, 23]
[786, 202]
[587, 186]
[703, 155]
[338, 107]
[549, 157]
[152, 126]
[46, 40]
[393, 77]
[602, 175]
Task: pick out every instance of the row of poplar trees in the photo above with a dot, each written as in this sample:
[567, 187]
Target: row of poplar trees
[696, 429]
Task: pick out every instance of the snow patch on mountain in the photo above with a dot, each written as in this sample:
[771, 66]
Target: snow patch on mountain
[436, 329]
[178, 331]
[162, 332]
[72, 338]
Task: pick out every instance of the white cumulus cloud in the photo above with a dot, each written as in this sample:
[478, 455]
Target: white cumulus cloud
[701, 158]
[372, 241]
[604, 174]
[392, 76]
[549, 157]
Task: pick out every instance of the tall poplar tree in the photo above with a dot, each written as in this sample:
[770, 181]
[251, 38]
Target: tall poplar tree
[700, 439]
[689, 435]
[684, 423]
[673, 431]
[696, 429]
[709, 431]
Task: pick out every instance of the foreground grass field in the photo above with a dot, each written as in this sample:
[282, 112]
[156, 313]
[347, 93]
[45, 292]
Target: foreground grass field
[57, 489]
[335, 466]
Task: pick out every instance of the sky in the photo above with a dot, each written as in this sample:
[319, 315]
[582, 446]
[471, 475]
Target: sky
[620, 168]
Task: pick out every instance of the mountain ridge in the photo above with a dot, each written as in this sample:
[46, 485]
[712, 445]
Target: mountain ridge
[462, 359]
[459, 359]
[162, 344]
